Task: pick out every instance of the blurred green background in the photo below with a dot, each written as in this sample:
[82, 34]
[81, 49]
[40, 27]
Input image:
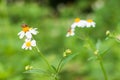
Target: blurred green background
[53, 18]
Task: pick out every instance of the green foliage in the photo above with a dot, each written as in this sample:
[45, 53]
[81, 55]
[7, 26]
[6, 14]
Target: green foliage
[52, 41]
[68, 58]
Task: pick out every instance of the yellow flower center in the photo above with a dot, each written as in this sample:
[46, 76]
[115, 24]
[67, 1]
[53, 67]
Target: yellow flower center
[28, 44]
[89, 20]
[25, 29]
[77, 19]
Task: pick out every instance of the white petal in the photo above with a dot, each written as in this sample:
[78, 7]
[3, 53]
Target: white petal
[33, 31]
[28, 35]
[88, 24]
[33, 43]
[73, 25]
[72, 34]
[21, 35]
[73, 30]
[67, 35]
[93, 24]
[23, 46]
[30, 48]
[82, 23]
[26, 48]
[27, 40]
[20, 32]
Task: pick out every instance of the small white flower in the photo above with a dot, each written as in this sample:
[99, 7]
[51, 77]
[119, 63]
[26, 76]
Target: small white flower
[26, 31]
[82, 23]
[78, 23]
[90, 23]
[70, 32]
[29, 44]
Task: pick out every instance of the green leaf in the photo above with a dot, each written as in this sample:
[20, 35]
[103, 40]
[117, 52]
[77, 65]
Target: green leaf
[92, 58]
[54, 68]
[68, 58]
[105, 51]
[37, 71]
[98, 44]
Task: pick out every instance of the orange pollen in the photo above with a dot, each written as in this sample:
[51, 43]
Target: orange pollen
[89, 20]
[28, 44]
[77, 19]
[25, 29]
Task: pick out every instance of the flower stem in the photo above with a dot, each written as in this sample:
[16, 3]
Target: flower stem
[55, 77]
[43, 57]
[103, 69]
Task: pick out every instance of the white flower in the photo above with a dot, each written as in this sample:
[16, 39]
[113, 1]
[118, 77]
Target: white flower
[29, 44]
[82, 23]
[70, 32]
[78, 23]
[26, 31]
[90, 23]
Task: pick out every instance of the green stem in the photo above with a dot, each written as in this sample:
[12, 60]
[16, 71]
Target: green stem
[58, 68]
[43, 57]
[59, 65]
[103, 70]
[56, 78]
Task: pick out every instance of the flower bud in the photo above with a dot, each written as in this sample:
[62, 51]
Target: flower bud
[67, 51]
[107, 32]
[28, 67]
[96, 52]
